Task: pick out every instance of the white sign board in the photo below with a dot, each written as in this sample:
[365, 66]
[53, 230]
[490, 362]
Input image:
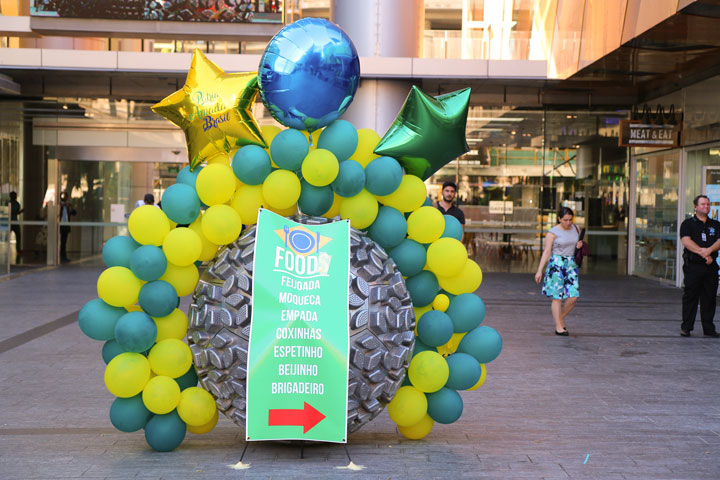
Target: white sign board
[499, 207]
[117, 213]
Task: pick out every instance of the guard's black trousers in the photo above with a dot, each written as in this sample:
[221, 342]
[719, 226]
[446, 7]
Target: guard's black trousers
[701, 283]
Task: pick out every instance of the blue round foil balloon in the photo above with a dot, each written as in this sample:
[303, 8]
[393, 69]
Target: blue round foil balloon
[308, 74]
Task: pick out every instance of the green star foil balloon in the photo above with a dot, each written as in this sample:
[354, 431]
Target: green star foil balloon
[428, 132]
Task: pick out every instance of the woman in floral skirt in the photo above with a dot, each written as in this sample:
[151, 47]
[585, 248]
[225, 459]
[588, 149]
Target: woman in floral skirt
[561, 277]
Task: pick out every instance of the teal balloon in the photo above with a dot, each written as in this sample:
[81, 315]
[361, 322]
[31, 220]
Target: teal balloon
[158, 298]
[181, 204]
[389, 227]
[444, 406]
[409, 256]
[116, 251]
[315, 200]
[350, 179]
[383, 176]
[467, 311]
[251, 164]
[434, 328]
[148, 263]
[341, 138]
[129, 414]
[484, 343]
[188, 379]
[421, 347]
[164, 433]
[453, 228]
[427, 202]
[187, 177]
[465, 371]
[288, 149]
[423, 288]
[97, 319]
[135, 332]
[111, 349]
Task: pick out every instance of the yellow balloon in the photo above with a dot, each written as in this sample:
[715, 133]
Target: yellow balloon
[285, 212]
[184, 279]
[320, 167]
[428, 371]
[334, 208]
[247, 201]
[483, 376]
[409, 196]
[209, 249]
[360, 209]
[182, 246]
[161, 394]
[221, 224]
[408, 406]
[467, 281]
[148, 225]
[441, 302]
[419, 430]
[204, 428]
[281, 189]
[174, 325]
[221, 159]
[196, 406]
[133, 308]
[446, 257]
[425, 225]
[170, 357]
[451, 346]
[367, 141]
[127, 374]
[215, 184]
[118, 286]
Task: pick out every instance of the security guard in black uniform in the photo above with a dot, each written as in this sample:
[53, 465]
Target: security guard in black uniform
[700, 235]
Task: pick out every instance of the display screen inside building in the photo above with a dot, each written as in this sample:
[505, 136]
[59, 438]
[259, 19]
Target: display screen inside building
[226, 11]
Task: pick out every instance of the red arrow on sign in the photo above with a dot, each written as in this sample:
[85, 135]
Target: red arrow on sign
[308, 417]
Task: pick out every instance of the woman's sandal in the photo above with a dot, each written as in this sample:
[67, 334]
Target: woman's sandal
[564, 333]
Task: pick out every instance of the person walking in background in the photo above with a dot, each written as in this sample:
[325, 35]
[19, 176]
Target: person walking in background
[561, 282]
[700, 235]
[446, 206]
[15, 210]
[66, 211]
[148, 200]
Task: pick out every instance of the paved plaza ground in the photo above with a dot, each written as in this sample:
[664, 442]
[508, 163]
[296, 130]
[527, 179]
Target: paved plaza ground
[624, 397]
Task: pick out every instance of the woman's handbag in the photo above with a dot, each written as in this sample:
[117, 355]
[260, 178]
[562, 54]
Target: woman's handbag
[584, 250]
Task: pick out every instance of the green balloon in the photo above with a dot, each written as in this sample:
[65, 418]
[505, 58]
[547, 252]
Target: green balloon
[110, 350]
[288, 149]
[251, 164]
[409, 256]
[467, 311]
[129, 414]
[453, 228]
[188, 379]
[389, 227]
[435, 328]
[483, 343]
[117, 251]
[158, 298]
[465, 371]
[148, 262]
[428, 132]
[350, 179]
[423, 288]
[315, 200]
[444, 406]
[341, 138]
[135, 332]
[383, 176]
[421, 347]
[165, 433]
[97, 319]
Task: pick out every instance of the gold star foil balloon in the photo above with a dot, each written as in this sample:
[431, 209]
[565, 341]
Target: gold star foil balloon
[214, 109]
[428, 132]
